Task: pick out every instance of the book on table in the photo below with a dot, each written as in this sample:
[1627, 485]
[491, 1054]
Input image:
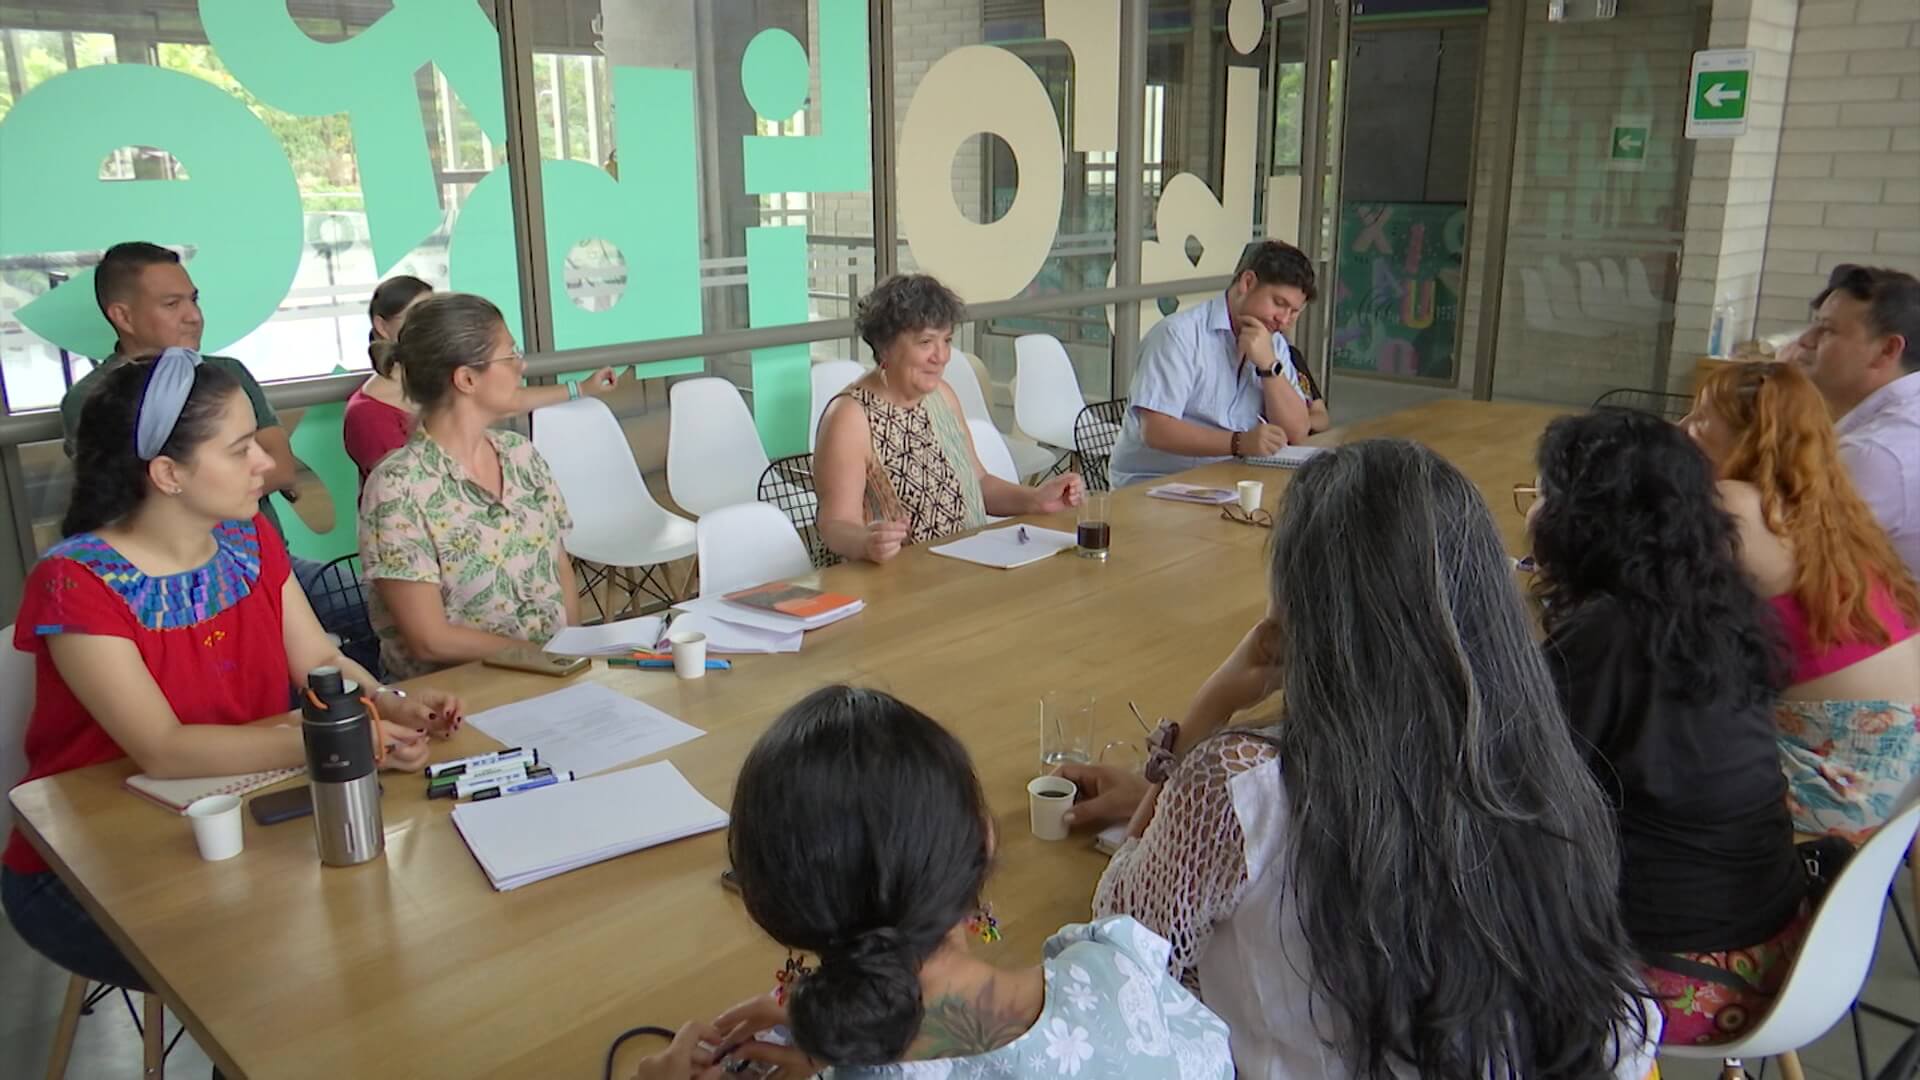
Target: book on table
[810, 606]
[177, 795]
[1193, 493]
[1288, 457]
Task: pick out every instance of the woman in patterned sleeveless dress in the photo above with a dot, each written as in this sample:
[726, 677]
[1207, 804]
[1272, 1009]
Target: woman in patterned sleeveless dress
[894, 462]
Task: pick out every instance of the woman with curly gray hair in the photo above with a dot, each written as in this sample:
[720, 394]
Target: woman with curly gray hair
[894, 462]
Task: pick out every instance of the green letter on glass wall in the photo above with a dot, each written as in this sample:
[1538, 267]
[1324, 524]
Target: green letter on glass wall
[239, 211]
[651, 214]
[370, 76]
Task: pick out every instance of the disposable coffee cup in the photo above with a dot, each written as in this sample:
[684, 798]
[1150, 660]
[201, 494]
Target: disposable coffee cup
[216, 826]
[689, 655]
[1048, 800]
[1250, 492]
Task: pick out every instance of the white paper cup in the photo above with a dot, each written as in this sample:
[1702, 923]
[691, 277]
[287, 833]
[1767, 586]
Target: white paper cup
[216, 826]
[689, 655]
[1048, 800]
[1250, 492]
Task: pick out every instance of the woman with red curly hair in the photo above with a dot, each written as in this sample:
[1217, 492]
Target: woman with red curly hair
[1848, 610]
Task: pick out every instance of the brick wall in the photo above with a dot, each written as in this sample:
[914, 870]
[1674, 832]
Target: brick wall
[1848, 178]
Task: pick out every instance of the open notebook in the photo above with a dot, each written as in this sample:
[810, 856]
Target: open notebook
[177, 795]
[521, 839]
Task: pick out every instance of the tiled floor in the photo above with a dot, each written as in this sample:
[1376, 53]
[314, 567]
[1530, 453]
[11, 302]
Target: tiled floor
[108, 1046]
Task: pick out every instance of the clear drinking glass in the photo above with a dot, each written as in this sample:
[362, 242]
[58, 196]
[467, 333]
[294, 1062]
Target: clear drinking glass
[1066, 728]
[1096, 528]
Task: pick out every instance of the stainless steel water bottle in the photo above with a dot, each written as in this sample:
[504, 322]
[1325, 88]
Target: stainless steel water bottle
[339, 735]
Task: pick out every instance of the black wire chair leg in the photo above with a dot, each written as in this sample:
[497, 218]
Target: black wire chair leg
[173, 1042]
[131, 1011]
[1859, 1041]
[94, 996]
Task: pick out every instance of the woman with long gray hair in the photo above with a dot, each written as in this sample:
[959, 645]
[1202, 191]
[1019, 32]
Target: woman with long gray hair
[1409, 870]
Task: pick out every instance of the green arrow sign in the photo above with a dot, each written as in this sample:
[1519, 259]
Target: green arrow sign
[1628, 144]
[1721, 88]
[1720, 95]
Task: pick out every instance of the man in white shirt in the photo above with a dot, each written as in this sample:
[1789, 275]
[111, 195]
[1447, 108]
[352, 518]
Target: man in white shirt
[1219, 380]
[1863, 352]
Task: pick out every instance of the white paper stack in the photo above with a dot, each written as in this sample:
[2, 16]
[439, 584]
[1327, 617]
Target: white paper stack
[1289, 457]
[536, 835]
[607, 639]
[732, 637]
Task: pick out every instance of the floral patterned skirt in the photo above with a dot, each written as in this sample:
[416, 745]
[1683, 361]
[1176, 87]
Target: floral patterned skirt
[1699, 1010]
[1847, 762]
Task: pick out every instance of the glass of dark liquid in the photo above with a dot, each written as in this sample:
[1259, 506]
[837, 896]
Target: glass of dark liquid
[1096, 528]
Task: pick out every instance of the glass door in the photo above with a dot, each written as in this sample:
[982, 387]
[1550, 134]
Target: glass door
[1598, 207]
[1301, 152]
[1405, 190]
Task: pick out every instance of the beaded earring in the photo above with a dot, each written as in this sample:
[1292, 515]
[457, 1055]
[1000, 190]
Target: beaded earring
[786, 978]
[981, 924]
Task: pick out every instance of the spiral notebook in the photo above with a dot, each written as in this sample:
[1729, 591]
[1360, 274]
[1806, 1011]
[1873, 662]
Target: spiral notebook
[177, 795]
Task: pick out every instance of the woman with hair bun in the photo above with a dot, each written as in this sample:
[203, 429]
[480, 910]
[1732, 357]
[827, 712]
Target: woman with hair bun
[860, 837]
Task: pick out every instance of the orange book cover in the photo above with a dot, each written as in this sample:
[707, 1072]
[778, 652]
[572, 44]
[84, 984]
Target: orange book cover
[787, 598]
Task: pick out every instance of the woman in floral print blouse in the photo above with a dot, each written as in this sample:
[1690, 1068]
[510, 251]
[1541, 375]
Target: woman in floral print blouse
[461, 528]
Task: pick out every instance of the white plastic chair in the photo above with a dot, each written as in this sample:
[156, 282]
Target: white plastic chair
[714, 456]
[16, 708]
[992, 448]
[1046, 393]
[616, 522]
[829, 378]
[1826, 976]
[965, 380]
[746, 545]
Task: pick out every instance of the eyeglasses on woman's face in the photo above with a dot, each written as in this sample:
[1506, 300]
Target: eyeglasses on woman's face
[1524, 496]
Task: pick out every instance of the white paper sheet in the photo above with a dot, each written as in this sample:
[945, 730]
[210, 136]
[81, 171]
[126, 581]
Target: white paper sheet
[586, 728]
[730, 637]
[521, 839]
[1002, 547]
[607, 639]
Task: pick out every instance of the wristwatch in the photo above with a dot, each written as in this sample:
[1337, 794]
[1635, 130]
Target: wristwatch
[1233, 444]
[1267, 374]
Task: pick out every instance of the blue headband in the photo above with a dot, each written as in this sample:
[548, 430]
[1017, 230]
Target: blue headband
[165, 396]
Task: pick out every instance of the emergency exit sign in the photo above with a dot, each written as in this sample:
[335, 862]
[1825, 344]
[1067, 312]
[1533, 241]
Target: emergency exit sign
[1721, 90]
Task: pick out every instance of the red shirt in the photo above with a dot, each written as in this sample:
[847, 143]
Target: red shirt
[212, 639]
[372, 430]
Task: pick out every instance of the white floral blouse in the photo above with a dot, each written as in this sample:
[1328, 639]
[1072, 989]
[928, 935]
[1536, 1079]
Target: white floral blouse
[1111, 1012]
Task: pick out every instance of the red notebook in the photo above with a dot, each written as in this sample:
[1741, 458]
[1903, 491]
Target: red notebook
[800, 602]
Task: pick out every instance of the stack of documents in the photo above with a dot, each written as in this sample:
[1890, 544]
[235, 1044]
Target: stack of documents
[720, 609]
[1006, 548]
[1290, 457]
[540, 834]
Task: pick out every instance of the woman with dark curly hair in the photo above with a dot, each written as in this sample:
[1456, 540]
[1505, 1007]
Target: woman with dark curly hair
[1666, 663]
[895, 464]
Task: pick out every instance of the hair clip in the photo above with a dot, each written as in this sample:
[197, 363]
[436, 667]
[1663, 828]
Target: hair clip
[1160, 757]
[788, 977]
[981, 924]
[1261, 518]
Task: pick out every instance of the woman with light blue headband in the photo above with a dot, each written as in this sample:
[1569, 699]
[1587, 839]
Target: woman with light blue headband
[167, 622]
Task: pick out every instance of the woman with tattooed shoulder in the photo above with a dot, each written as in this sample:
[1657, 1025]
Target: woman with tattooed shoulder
[861, 840]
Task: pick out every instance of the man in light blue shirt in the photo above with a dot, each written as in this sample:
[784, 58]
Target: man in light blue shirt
[1863, 352]
[1218, 381]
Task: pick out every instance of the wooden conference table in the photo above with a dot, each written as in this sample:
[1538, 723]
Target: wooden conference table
[413, 966]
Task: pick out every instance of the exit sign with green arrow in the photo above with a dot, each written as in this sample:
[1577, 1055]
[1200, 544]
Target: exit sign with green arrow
[1720, 93]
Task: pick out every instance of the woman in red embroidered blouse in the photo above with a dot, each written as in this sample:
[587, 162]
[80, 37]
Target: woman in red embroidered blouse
[379, 417]
[166, 623]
